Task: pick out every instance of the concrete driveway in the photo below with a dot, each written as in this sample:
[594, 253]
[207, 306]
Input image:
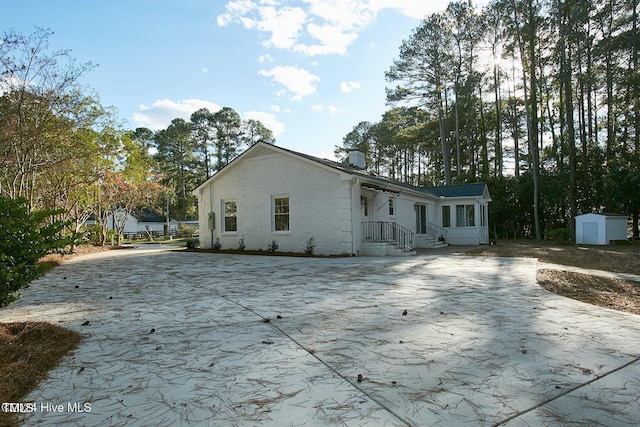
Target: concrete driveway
[176, 338]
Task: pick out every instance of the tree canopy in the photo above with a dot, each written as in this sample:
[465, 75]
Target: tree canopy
[539, 98]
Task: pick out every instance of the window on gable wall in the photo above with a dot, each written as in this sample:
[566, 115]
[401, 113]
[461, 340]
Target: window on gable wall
[391, 207]
[230, 216]
[281, 213]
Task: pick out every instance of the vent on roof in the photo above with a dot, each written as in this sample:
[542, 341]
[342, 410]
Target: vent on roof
[356, 159]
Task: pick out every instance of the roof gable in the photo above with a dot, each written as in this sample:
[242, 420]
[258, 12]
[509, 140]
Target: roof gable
[262, 149]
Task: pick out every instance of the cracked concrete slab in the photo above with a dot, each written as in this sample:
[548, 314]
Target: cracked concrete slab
[177, 338]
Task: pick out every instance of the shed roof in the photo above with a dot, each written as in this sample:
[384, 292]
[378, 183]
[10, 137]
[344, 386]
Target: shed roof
[606, 215]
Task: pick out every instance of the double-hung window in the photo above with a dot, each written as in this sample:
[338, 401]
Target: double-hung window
[281, 213]
[465, 215]
[230, 216]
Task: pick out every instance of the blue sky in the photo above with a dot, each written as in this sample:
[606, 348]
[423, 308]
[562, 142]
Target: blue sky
[310, 70]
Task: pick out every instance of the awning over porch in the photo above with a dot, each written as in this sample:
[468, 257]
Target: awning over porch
[380, 190]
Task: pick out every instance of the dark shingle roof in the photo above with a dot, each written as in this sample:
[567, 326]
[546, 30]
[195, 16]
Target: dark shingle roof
[460, 190]
[147, 215]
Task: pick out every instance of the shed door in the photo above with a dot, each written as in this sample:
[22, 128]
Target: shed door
[590, 233]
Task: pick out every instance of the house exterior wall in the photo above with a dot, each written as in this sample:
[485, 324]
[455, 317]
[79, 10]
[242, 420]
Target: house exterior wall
[324, 203]
[462, 232]
[157, 227]
[319, 205]
[130, 227]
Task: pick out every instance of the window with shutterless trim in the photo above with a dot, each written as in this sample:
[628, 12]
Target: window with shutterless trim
[281, 213]
[230, 211]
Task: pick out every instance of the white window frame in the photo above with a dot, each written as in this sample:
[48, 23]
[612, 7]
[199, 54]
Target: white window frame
[465, 215]
[274, 213]
[225, 215]
[392, 207]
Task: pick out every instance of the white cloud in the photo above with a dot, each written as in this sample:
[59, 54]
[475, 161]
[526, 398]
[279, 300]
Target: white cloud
[331, 38]
[326, 26]
[234, 10]
[329, 155]
[205, 70]
[347, 87]
[161, 112]
[298, 81]
[284, 25]
[268, 119]
[265, 58]
[275, 108]
[331, 109]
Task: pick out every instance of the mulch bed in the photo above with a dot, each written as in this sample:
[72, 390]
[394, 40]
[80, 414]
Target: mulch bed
[28, 350]
[614, 293]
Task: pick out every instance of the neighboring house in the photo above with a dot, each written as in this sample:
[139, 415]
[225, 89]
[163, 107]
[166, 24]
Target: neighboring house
[140, 222]
[269, 193]
[600, 229]
[175, 225]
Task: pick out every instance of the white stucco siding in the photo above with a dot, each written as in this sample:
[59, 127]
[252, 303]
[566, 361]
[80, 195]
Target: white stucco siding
[316, 205]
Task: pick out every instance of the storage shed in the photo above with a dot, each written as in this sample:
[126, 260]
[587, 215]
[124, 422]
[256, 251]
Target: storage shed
[600, 229]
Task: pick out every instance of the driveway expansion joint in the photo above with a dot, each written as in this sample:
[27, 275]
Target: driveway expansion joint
[206, 364]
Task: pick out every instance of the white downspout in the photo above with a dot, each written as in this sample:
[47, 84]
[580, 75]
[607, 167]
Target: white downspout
[354, 233]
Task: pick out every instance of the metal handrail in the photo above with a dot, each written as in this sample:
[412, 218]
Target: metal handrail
[390, 232]
[436, 231]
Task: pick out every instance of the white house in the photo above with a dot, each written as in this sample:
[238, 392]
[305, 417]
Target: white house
[141, 222]
[269, 193]
[600, 229]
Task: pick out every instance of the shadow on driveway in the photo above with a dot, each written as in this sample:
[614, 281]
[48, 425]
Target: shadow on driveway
[177, 338]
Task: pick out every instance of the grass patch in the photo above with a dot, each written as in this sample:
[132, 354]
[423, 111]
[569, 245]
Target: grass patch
[27, 352]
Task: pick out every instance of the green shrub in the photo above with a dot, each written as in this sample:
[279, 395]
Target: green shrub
[25, 237]
[311, 245]
[92, 234]
[563, 235]
[186, 230]
[217, 245]
[193, 243]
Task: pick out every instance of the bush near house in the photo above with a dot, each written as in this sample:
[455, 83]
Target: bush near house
[562, 235]
[25, 237]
